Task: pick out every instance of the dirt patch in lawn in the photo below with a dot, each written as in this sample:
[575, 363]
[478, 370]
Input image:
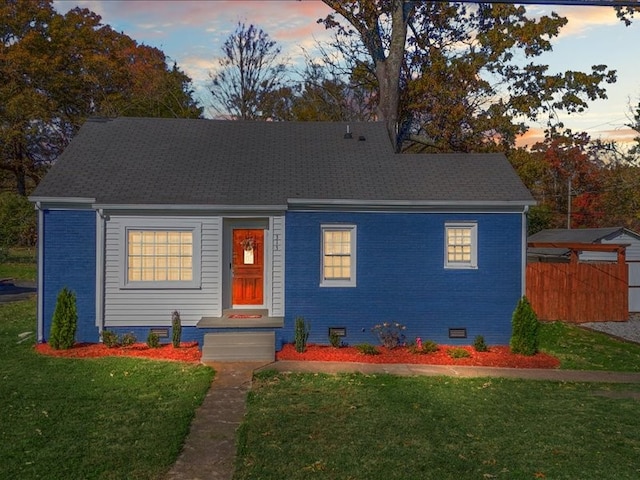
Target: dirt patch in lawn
[188, 351]
[497, 356]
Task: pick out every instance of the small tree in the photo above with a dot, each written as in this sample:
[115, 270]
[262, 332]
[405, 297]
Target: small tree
[301, 334]
[524, 334]
[176, 323]
[65, 321]
[251, 72]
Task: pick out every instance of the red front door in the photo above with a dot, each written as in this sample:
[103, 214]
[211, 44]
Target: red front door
[248, 266]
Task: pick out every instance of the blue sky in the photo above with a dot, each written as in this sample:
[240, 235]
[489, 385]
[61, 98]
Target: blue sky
[192, 33]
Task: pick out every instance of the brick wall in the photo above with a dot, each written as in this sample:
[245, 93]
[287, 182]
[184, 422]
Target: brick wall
[401, 277]
[70, 261]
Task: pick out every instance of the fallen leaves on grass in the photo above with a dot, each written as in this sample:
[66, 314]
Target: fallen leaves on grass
[188, 351]
[497, 356]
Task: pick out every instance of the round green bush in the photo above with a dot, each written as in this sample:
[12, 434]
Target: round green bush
[525, 327]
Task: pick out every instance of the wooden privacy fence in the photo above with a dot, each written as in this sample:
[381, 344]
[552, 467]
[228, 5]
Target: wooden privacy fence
[579, 292]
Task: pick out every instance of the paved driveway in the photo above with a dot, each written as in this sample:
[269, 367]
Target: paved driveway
[11, 291]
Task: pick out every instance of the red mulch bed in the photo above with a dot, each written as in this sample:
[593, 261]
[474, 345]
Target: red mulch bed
[498, 356]
[188, 351]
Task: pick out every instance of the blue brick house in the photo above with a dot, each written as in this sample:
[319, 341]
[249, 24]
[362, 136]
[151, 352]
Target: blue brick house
[244, 226]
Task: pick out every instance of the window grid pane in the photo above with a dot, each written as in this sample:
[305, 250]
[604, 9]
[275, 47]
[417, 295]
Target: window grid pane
[459, 245]
[337, 254]
[159, 256]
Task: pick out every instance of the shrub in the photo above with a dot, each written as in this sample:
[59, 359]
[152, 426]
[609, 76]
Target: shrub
[479, 344]
[367, 349]
[301, 334]
[525, 327]
[334, 340]
[65, 321]
[429, 346]
[153, 341]
[176, 324]
[110, 339]
[458, 352]
[390, 334]
[128, 339]
[420, 347]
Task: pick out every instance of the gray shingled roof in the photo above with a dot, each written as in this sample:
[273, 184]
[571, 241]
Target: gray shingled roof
[577, 235]
[574, 235]
[149, 161]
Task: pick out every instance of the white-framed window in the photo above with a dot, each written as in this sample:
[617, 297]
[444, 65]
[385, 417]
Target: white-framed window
[161, 257]
[461, 245]
[338, 267]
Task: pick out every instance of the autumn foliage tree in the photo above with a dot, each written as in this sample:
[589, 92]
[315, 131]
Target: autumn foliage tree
[565, 174]
[326, 96]
[459, 76]
[58, 69]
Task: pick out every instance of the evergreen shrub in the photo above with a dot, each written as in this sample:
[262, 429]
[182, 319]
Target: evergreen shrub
[65, 321]
[480, 345]
[301, 334]
[176, 324]
[153, 341]
[525, 328]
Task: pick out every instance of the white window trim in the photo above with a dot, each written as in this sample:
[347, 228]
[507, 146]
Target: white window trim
[473, 264]
[339, 282]
[160, 225]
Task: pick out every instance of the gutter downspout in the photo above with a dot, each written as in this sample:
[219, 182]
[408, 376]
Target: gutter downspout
[100, 228]
[40, 275]
[523, 269]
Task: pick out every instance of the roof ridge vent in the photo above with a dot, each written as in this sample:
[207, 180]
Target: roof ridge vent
[348, 134]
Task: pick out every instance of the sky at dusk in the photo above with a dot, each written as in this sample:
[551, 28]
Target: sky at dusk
[191, 33]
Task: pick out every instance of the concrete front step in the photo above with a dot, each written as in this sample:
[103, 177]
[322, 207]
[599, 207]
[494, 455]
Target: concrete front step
[239, 347]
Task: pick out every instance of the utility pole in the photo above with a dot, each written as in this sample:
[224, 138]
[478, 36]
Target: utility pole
[569, 202]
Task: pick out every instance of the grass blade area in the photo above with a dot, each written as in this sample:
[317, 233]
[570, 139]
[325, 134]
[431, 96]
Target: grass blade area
[383, 427]
[110, 418]
[19, 264]
[581, 349]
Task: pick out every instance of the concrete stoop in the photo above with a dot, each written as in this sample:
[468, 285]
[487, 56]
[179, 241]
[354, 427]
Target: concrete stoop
[247, 346]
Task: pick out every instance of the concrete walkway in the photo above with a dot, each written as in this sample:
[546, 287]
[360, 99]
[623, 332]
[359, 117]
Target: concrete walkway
[210, 448]
[455, 371]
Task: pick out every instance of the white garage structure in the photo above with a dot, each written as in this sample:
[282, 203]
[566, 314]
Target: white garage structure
[617, 235]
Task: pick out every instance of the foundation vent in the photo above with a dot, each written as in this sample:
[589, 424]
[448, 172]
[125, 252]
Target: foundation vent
[457, 333]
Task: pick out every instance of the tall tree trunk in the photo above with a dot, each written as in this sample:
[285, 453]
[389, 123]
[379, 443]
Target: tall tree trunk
[388, 71]
[364, 16]
[21, 182]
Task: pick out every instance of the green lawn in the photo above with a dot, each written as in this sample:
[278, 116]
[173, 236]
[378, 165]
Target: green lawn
[20, 264]
[112, 418]
[384, 427]
[581, 349]
[124, 418]
[302, 426]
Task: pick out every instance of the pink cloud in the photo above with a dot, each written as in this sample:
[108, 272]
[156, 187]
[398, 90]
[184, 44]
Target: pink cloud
[620, 135]
[533, 136]
[581, 19]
